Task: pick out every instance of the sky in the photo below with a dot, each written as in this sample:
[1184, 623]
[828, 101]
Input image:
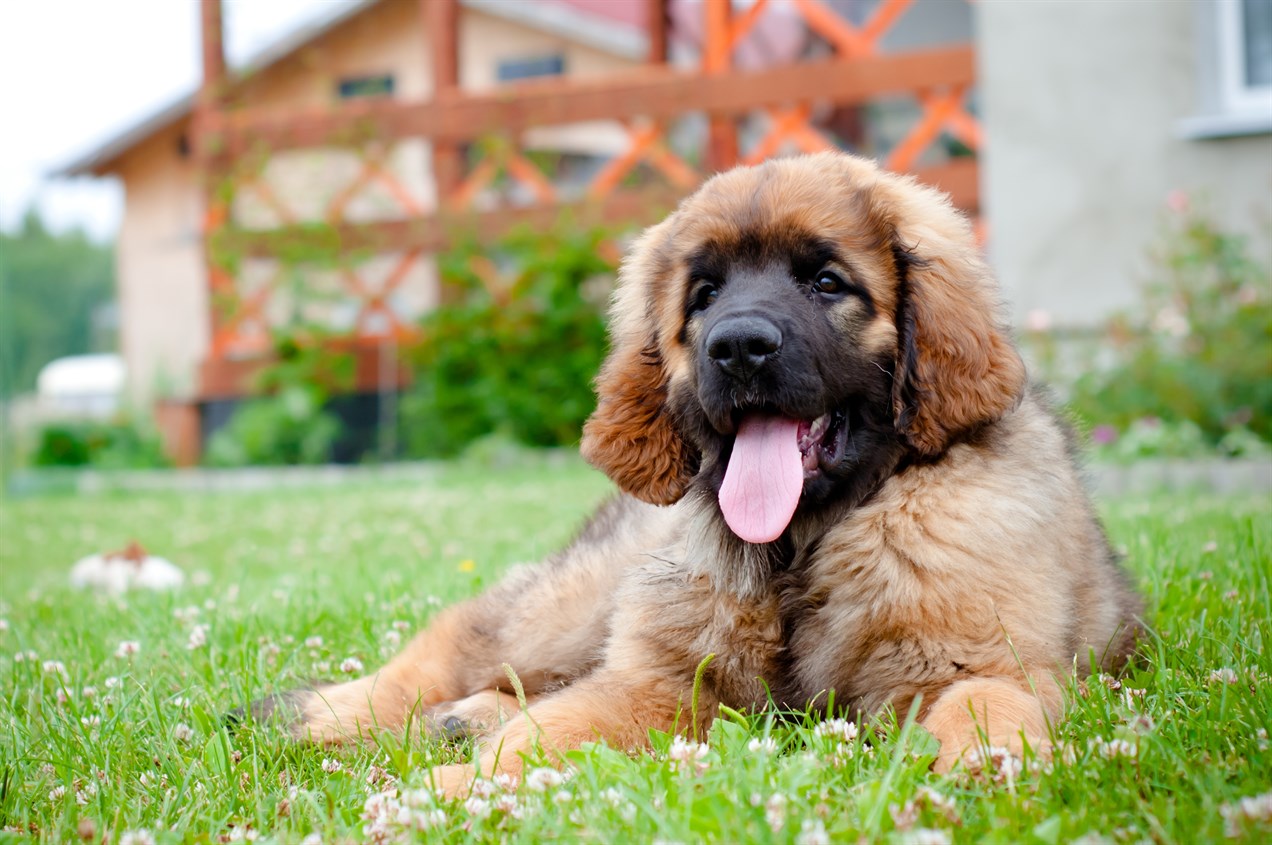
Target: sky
[73, 73]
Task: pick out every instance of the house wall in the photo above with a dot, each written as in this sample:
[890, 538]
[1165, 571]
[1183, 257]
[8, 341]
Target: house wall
[163, 286]
[1082, 104]
[163, 298]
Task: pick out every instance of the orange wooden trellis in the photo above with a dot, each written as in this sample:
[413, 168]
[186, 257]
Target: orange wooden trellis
[645, 103]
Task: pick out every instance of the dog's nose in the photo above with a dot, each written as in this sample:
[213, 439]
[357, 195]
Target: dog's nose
[741, 345]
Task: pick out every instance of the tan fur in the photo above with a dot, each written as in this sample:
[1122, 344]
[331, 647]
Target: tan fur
[973, 577]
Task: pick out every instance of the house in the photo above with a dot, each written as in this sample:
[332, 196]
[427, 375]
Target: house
[374, 48]
[1092, 114]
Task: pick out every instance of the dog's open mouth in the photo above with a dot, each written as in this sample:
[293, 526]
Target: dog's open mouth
[772, 457]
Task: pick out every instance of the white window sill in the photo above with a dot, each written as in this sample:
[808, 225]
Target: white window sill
[1206, 126]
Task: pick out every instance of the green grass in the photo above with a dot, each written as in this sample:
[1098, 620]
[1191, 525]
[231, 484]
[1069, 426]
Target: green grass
[354, 565]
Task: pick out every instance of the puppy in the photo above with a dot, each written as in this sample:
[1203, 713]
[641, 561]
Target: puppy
[834, 476]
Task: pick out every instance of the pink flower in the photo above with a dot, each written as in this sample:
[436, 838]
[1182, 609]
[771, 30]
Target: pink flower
[1177, 201]
[1103, 435]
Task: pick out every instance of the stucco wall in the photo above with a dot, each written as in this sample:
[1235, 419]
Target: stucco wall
[163, 296]
[1082, 101]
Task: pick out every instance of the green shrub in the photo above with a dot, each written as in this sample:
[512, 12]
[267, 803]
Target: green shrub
[289, 425]
[518, 360]
[118, 444]
[1198, 349]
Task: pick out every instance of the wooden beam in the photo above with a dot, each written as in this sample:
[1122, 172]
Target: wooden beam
[436, 233]
[654, 92]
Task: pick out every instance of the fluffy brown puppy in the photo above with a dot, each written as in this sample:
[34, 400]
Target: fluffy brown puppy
[836, 478]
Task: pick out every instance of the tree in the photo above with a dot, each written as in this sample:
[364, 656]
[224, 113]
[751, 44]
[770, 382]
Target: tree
[52, 286]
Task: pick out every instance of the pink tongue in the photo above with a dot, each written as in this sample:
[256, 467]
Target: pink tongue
[764, 478]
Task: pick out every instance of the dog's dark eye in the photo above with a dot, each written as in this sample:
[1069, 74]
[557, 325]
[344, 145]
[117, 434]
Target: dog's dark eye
[829, 283]
[706, 294]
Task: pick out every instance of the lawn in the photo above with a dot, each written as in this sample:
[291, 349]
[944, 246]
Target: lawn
[99, 742]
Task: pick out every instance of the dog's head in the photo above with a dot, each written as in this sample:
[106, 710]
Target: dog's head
[787, 322]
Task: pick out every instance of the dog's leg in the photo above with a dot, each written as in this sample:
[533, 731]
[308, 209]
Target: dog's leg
[617, 707]
[547, 622]
[1001, 712]
[480, 714]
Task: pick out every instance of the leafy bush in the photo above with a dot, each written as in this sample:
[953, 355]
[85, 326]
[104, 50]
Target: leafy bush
[290, 425]
[104, 445]
[513, 355]
[1199, 349]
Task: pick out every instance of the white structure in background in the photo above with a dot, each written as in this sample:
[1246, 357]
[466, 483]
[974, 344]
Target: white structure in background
[117, 572]
[81, 386]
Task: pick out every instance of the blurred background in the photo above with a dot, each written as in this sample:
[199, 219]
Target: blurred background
[313, 231]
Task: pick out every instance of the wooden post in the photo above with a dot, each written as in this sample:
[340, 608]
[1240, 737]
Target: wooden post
[441, 23]
[717, 57]
[656, 24]
[206, 144]
[441, 20]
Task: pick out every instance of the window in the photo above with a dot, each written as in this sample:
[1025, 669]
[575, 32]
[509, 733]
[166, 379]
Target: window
[1236, 69]
[510, 70]
[353, 87]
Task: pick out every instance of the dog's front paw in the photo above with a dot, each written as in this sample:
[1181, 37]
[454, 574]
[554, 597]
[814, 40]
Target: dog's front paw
[454, 781]
[284, 709]
[998, 755]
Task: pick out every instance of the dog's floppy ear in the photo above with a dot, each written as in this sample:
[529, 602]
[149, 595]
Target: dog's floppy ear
[957, 367]
[630, 436]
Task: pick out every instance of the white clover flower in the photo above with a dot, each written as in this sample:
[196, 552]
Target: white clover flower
[312, 839]
[689, 756]
[85, 793]
[54, 667]
[112, 682]
[476, 807]
[841, 729]
[186, 614]
[543, 779]
[996, 764]
[4, 625]
[507, 803]
[1255, 809]
[1224, 675]
[775, 811]
[182, 732]
[392, 638]
[563, 796]
[313, 642]
[1115, 748]
[483, 788]
[137, 837]
[926, 836]
[88, 693]
[90, 721]
[198, 637]
[57, 793]
[330, 765]
[505, 781]
[812, 832]
[127, 649]
[762, 745]
[350, 665]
